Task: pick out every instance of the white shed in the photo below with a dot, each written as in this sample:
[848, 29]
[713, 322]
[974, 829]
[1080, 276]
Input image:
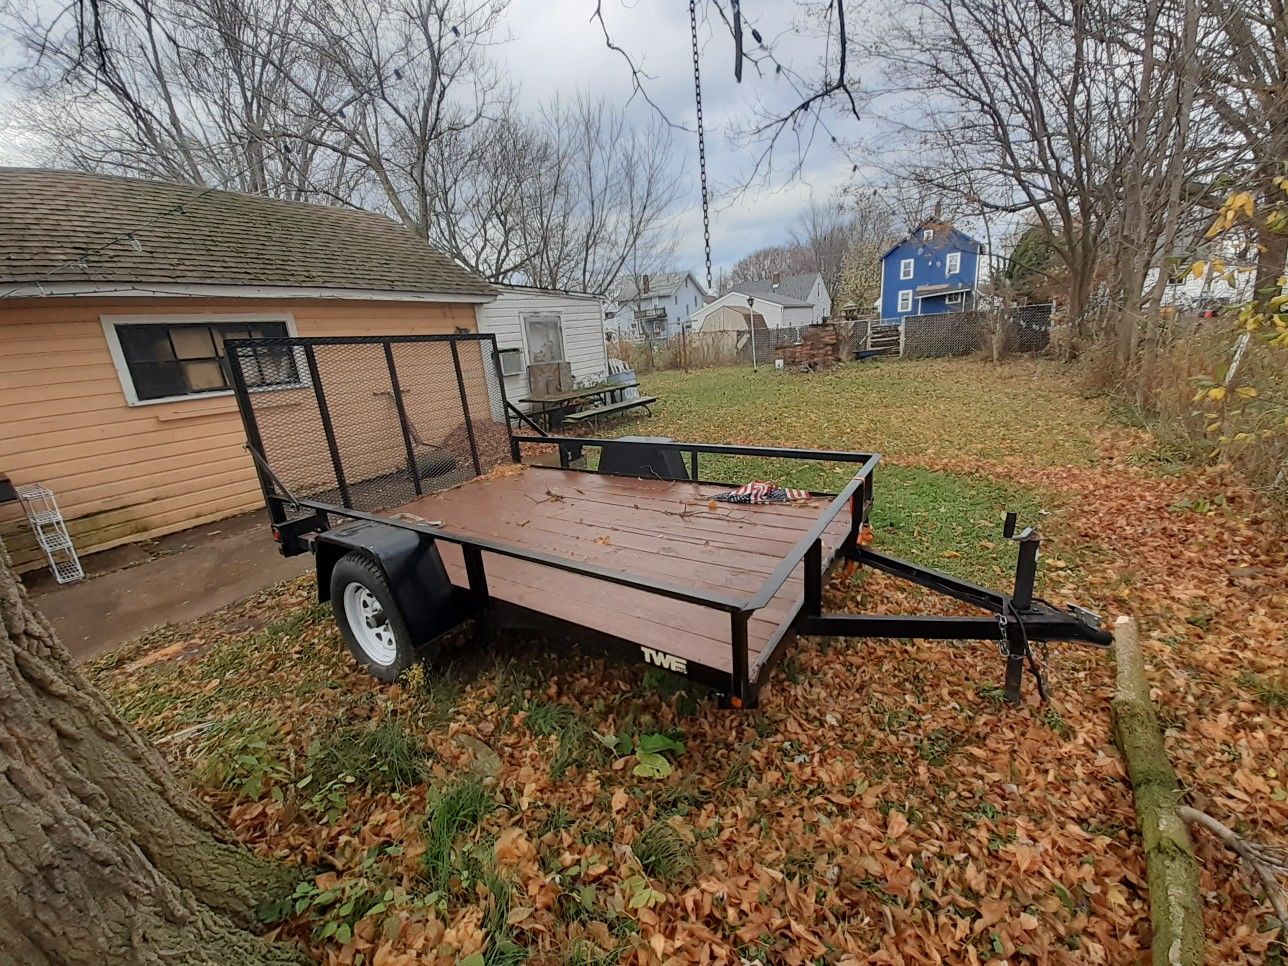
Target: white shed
[545, 325]
[777, 311]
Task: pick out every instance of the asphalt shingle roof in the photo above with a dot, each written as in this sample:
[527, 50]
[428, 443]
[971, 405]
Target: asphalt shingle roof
[660, 285]
[795, 289]
[49, 219]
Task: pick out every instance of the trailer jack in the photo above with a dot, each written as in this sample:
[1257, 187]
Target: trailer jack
[1015, 621]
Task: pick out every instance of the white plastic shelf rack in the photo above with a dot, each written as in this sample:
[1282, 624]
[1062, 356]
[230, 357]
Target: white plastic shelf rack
[51, 532]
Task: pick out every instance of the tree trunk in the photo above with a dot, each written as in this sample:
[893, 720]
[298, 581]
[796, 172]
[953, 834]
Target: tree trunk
[104, 858]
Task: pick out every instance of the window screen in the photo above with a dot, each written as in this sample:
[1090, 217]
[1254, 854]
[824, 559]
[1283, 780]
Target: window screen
[187, 359]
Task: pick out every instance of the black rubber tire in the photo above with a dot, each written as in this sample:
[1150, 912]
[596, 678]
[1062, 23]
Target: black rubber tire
[361, 569]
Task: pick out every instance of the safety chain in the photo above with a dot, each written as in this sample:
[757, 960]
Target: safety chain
[1003, 645]
[702, 141]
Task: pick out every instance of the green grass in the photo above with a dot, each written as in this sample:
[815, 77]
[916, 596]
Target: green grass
[457, 811]
[381, 758]
[664, 853]
[547, 718]
[949, 521]
[897, 408]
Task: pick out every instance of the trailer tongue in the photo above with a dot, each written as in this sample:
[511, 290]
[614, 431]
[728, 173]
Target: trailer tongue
[405, 444]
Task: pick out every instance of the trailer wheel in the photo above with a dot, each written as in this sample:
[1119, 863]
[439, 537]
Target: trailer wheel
[369, 619]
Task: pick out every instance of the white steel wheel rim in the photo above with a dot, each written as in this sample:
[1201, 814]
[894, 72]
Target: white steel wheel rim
[370, 624]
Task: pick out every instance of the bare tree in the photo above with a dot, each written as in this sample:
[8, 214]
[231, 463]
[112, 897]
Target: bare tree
[873, 227]
[606, 207]
[1079, 114]
[825, 231]
[821, 87]
[1245, 86]
[176, 90]
[405, 75]
[764, 262]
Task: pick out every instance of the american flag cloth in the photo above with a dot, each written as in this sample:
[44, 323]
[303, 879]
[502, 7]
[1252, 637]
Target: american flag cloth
[758, 491]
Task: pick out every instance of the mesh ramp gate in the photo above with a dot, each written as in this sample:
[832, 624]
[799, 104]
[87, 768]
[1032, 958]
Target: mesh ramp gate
[370, 423]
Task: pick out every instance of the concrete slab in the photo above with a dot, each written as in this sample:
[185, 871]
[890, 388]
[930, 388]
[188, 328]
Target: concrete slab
[184, 576]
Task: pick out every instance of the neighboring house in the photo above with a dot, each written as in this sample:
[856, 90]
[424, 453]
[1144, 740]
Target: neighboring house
[736, 310]
[1228, 276]
[654, 306]
[546, 325]
[793, 291]
[115, 298]
[935, 269]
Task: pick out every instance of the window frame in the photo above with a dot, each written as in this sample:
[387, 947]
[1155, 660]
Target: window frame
[527, 345]
[900, 307]
[907, 268]
[928, 234]
[953, 263]
[117, 350]
[955, 298]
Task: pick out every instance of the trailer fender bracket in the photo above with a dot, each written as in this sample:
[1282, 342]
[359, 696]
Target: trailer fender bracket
[430, 604]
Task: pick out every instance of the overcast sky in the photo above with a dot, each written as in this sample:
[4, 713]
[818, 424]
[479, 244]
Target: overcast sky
[556, 48]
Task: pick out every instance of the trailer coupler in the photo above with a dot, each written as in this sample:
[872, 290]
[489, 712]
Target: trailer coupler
[1015, 621]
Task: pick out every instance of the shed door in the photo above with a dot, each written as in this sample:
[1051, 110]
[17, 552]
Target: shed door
[545, 337]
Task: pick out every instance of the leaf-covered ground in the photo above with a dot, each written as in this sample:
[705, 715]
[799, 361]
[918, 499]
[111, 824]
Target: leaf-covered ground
[519, 802]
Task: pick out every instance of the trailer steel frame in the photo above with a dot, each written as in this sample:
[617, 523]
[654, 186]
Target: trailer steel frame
[1011, 620]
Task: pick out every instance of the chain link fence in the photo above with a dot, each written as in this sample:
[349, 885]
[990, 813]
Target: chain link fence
[700, 350]
[1021, 329]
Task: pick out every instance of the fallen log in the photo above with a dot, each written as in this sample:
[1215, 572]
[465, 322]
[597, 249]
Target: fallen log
[1176, 911]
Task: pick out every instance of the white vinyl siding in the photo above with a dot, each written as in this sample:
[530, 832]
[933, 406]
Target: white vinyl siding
[582, 323]
[953, 263]
[905, 269]
[905, 300]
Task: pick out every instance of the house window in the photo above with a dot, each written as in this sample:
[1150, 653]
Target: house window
[953, 263]
[545, 337]
[170, 360]
[905, 300]
[954, 298]
[905, 269]
[928, 235]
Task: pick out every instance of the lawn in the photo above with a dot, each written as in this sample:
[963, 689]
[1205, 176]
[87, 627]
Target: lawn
[524, 803]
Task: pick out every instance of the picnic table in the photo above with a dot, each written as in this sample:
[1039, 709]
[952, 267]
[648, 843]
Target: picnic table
[555, 406]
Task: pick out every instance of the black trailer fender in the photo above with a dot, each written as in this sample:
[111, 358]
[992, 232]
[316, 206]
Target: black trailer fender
[430, 604]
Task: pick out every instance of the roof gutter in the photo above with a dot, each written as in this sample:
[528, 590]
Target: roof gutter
[168, 290]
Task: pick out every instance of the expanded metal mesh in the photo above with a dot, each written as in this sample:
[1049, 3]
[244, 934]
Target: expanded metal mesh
[371, 423]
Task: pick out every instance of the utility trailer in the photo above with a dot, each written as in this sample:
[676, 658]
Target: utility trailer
[395, 460]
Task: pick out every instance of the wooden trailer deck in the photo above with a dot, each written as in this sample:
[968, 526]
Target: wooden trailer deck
[664, 530]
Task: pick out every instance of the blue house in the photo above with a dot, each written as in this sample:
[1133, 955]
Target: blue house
[935, 269]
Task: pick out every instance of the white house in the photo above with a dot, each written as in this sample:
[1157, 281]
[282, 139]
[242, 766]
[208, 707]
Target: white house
[654, 306]
[545, 325]
[737, 309]
[1228, 276]
[808, 289]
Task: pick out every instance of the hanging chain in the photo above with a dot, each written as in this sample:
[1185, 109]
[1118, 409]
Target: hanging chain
[702, 141]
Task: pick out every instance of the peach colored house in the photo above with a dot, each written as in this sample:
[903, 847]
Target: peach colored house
[115, 297]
